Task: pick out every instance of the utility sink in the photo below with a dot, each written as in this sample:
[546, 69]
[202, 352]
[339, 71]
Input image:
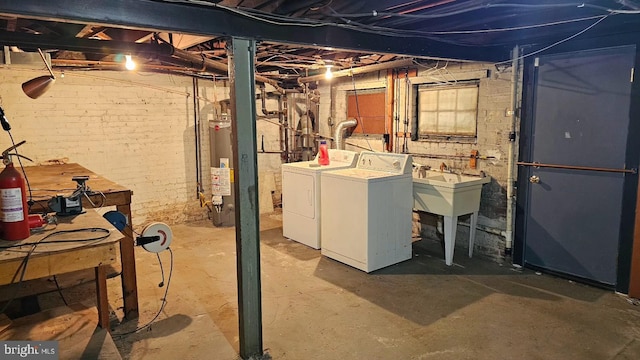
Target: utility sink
[449, 195]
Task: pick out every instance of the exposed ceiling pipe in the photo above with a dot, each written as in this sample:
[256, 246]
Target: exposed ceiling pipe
[360, 70]
[263, 98]
[116, 65]
[219, 67]
[161, 50]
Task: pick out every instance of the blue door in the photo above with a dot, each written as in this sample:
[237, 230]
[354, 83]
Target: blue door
[573, 210]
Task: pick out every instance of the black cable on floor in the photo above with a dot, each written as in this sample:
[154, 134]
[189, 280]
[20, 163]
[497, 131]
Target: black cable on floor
[55, 280]
[164, 300]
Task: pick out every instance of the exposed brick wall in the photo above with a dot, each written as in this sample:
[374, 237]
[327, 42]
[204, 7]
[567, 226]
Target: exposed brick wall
[135, 129]
[138, 130]
[492, 137]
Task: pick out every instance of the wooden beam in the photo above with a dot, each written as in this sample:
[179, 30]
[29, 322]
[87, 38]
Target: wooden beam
[93, 31]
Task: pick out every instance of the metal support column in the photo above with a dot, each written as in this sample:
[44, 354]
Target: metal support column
[242, 83]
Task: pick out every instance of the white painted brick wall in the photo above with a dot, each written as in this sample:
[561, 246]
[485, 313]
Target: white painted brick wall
[136, 129]
[492, 136]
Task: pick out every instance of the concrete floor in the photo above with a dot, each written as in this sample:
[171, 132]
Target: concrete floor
[317, 308]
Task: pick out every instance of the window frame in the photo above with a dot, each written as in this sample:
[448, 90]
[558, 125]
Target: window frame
[356, 131]
[444, 137]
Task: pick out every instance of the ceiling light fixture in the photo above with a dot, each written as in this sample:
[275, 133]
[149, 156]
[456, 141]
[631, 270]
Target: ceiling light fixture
[34, 88]
[328, 75]
[129, 64]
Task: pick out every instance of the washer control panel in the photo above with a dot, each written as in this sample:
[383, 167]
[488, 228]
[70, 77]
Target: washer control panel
[385, 162]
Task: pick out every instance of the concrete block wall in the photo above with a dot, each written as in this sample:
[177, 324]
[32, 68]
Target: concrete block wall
[493, 127]
[136, 129]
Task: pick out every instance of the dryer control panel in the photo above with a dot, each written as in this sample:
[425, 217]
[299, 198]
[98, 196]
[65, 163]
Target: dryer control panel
[386, 162]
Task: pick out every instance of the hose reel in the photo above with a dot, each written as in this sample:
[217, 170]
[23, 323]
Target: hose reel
[155, 236]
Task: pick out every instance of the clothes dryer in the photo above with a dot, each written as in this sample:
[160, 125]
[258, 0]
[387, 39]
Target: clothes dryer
[301, 195]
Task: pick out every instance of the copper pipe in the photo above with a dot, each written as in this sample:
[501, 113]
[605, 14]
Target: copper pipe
[574, 167]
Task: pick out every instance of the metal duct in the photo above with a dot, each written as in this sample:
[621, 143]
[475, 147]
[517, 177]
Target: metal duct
[340, 128]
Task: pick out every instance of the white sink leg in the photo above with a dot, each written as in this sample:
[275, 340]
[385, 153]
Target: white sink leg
[472, 231]
[450, 227]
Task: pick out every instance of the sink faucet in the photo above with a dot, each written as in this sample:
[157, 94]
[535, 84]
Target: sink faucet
[422, 171]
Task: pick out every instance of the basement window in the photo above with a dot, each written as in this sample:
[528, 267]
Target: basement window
[368, 107]
[448, 112]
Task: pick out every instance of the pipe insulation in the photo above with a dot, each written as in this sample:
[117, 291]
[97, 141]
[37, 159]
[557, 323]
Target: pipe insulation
[359, 70]
[339, 132]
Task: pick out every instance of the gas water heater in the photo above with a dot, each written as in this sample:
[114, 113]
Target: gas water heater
[221, 155]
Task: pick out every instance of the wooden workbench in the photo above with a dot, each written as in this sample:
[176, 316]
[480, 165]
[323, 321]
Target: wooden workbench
[50, 257]
[49, 180]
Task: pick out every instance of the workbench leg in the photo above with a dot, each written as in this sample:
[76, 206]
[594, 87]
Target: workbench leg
[128, 261]
[102, 301]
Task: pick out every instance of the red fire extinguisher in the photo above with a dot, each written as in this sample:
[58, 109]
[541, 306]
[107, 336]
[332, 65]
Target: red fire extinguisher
[14, 212]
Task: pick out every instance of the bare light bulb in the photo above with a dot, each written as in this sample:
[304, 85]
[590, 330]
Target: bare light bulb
[328, 75]
[129, 64]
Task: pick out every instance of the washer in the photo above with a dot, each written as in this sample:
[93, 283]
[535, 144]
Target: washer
[301, 195]
[366, 211]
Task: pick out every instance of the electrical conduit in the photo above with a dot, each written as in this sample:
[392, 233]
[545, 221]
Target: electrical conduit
[512, 147]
